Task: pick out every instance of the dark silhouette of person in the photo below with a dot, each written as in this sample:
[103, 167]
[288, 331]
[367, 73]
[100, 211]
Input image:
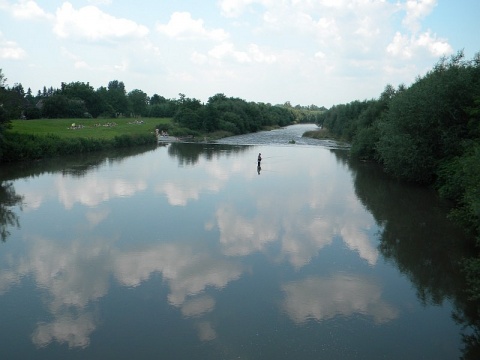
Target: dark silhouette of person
[259, 159]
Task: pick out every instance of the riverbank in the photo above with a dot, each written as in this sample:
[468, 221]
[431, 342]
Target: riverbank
[29, 140]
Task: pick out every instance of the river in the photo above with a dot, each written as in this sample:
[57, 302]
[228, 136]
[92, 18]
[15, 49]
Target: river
[190, 251]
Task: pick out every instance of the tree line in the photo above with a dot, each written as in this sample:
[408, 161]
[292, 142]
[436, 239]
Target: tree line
[427, 133]
[81, 100]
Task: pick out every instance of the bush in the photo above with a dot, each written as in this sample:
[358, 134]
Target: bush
[365, 143]
[20, 147]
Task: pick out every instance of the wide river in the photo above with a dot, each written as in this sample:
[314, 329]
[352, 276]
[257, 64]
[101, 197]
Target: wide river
[189, 251]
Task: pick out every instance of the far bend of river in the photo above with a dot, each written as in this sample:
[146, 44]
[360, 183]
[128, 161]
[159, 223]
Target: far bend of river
[186, 251]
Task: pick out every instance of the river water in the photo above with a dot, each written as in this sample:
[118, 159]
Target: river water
[189, 251]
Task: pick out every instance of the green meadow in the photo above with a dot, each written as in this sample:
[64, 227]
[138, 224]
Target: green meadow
[28, 140]
[101, 129]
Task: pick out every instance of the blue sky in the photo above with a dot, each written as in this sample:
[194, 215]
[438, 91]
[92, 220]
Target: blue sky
[321, 52]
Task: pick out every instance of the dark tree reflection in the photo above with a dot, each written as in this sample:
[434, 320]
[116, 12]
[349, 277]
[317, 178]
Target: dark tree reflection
[8, 199]
[420, 240]
[190, 154]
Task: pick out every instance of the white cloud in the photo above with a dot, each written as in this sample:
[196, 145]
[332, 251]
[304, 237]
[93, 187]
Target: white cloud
[100, 2]
[436, 47]
[28, 10]
[416, 10]
[92, 24]
[10, 50]
[406, 47]
[183, 26]
[326, 48]
[234, 8]
[198, 58]
[259, 56]
[227, 51]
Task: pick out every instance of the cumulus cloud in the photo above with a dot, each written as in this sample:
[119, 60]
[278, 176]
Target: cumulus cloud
[92, 24]
[406, 47]
[416, 10]
[227, 51]
[234, 8]
[100, 2]
[335, 42]
[183, 26]
[29, 10]
[10, 50]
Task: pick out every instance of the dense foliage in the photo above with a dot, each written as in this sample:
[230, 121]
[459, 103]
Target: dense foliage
[80, 100]
[427, 133]
[77, 100]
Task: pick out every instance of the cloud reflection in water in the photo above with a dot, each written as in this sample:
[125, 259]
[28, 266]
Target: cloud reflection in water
[322, 298]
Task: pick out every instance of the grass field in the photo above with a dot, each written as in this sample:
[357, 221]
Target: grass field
[89, 128]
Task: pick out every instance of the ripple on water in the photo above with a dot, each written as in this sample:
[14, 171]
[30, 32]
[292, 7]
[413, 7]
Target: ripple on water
[289, 136]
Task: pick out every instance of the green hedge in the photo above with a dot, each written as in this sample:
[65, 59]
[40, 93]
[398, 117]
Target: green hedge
[21, 147]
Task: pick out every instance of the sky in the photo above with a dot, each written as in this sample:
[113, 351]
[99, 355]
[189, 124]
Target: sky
[306, 52]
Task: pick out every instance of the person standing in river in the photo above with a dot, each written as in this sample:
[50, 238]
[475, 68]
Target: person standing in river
[259, 159]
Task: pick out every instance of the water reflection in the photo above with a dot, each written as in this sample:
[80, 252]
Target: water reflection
[301, 240]
[8, 217]
[421, 242]
[322, 298]
[412, 237]
[303, 222]
[74, 276]
[190, 154]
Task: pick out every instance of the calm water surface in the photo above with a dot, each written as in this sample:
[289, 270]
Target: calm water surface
[188, 251]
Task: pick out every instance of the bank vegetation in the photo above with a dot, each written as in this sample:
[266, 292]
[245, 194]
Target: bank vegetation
[79, 106]
[427, 133]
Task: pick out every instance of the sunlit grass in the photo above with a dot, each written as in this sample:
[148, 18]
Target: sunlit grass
[88, 128]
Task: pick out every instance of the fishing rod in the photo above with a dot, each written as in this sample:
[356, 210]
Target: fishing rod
[270, 157]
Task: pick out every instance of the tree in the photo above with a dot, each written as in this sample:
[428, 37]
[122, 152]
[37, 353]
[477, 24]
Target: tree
[117, 97]
[138, 101]
[157, 100]
[428, 123]
[60, 106]
[188, 113]
[4, 120]
[94, 104]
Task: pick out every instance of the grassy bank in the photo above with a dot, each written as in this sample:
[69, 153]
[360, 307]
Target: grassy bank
[38, 139]
[46, 138]
[99, 129]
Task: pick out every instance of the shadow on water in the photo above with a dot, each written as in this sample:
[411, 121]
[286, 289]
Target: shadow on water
[419, 239]
[75, 165]
[190, 153]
